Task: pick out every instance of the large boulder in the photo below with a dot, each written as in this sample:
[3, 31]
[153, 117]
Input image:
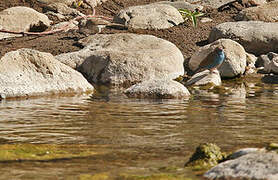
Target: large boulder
[158, 88]
[22, 19]
[266, 12]
[28, 72]
[151, 16]
[126, 58]
[256, 166]
[255, 36]
[235, 58]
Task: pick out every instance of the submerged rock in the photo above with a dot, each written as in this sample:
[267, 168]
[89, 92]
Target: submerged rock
[126, 58]
[22, 19]
[255, 36]
[28, 72]
[151, 16]
[158, 88]
[235, 58]
[206, 155]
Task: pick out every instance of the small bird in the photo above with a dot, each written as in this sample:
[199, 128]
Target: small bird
[212, 61]
[95, 25]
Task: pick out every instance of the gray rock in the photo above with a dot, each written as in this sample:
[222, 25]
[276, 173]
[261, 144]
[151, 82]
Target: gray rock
[61, 11]
[235, 60]
[254, 166]
[182, 5]
[126, 58]
[205, 77]
[211, 3]
[255, 36]
[151, 16]
[272, 66]
[265, 59]
[22, 19]
[266, 12]
[158, 88]
[28, 72]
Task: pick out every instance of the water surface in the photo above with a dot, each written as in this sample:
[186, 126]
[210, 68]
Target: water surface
[139, 135]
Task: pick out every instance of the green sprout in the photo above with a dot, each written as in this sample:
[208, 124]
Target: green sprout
[187, 14]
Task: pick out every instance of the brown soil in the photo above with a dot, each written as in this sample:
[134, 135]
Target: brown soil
[184, 36]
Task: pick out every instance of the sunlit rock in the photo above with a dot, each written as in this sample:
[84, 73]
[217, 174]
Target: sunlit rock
[28, 72]
[120, 59]
[151, 16]
[205, 77]
[256, 37]
[22, 19]
[158, 88]
[235, 57]
[256, 165]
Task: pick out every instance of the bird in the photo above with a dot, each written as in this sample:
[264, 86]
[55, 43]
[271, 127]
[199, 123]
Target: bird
[213, 60]
[95, 25]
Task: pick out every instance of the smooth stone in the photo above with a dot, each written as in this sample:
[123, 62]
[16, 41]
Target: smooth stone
[235, 58]
[182, 5]
[61, 10]
[158, 88]
[28, 72]
[266, 12]
[22, 19]
[256, 166]
[151, 16]
[125, 58]
[205, 77]
[255, 36]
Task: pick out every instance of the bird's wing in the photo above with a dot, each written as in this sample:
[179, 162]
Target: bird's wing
[208, 60]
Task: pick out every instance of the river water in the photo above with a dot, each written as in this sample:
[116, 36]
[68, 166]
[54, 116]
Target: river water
[140, 136]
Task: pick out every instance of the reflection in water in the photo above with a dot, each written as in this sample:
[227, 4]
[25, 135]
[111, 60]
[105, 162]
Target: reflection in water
[148, 128]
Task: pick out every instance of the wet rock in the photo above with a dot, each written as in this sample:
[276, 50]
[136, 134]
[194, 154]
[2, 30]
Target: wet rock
[270, 79]
[250, 66]
[205, 77]
[257, 165]
[265, 59]
[61, 11]
[151, 16]
[205, 155]
[158, 88]
[272, 66]
[22, 19]
[235, 60]
[255, 36]
[242, 152]
[28, 72]
[126, 58]
[182, 5]
[266, 12]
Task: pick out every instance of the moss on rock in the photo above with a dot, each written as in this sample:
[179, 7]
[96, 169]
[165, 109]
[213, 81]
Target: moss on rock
[205, 156]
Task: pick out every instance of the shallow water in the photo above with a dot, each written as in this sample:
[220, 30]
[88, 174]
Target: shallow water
[138, 136]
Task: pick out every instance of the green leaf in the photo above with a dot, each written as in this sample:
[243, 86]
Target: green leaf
[194, 21]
